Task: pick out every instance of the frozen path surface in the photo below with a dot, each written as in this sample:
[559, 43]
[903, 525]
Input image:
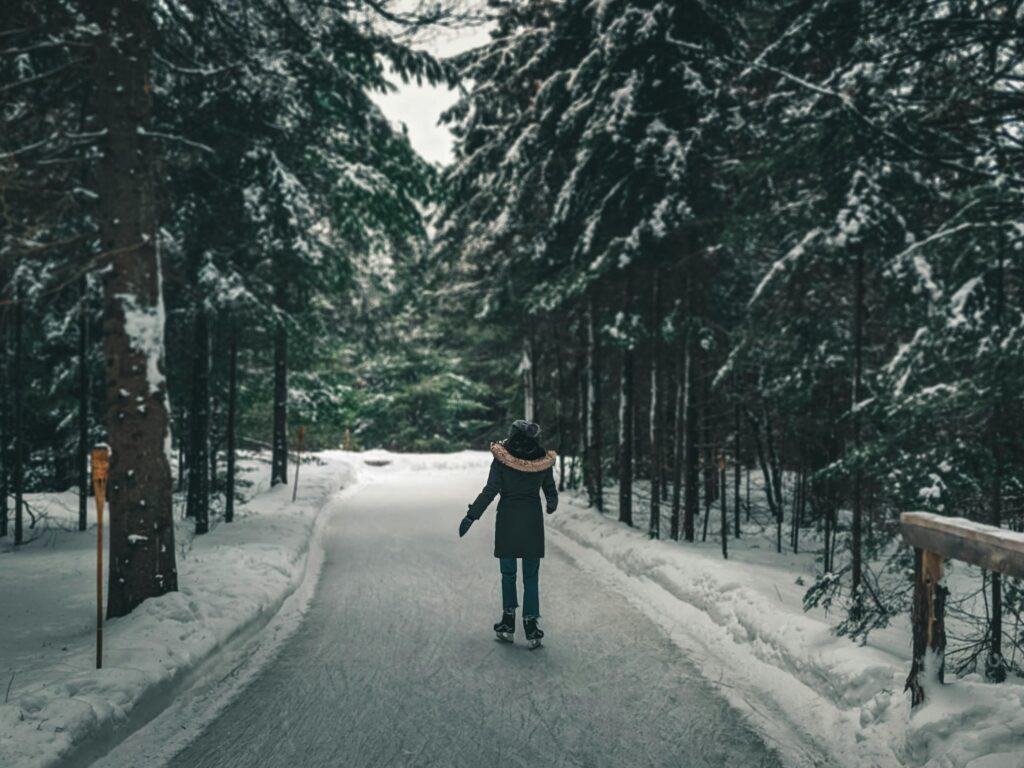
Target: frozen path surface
[396, 665]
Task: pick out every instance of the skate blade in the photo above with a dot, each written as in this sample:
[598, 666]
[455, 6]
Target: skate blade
[505, 637]
[534, 644]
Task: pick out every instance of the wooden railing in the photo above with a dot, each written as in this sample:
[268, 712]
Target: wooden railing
[935, 538]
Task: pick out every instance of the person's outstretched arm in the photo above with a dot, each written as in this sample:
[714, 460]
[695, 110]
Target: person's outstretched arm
[550, 490]
[483, 500]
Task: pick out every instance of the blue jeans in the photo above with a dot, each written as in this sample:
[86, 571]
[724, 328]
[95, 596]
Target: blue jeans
[531, 591]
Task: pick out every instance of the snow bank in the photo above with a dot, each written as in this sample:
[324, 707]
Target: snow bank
[60, 710]
[820, 699]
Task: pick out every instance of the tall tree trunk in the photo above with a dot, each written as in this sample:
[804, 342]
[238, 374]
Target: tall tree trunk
[995, 667]
[769, 479]
[747, 492]
[710, 470]
[677, 458]
[773, 463]
[691, 457]
[560, 408]
[581, 420]
[858, 352]
[592, 467]
[82, 460]
[18, 474]
[5, 417]
[626, 437]
[737, 425]
[279, 455]
[198, 473]
[229, 491]
[654, 527]
[725, 509]
[142, 559]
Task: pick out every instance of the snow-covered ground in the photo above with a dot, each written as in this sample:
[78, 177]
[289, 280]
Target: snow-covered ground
[740, 621]
[57, 708]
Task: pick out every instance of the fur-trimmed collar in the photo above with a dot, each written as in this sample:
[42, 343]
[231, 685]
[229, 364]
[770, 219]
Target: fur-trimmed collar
[500, 452]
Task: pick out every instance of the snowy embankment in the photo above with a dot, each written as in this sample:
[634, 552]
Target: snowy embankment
[820, 699]
[57, 708]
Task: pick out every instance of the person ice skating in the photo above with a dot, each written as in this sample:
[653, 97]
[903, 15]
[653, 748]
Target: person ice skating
[520, 471]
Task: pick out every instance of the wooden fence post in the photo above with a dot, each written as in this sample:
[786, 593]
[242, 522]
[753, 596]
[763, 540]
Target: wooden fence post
[100, 470]
[928, 619]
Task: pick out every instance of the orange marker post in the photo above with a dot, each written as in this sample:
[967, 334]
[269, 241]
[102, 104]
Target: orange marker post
[298, 461]
[100, 471]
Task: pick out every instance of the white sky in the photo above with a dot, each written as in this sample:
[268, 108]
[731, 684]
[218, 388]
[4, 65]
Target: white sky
[419, 107]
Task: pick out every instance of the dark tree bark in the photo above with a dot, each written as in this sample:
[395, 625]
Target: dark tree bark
[580, 419]
[737, 425]
[82, 460]
[773, 463]
[626, 409]
[229, 491]
[770, 486]
[279, 455]
[198, 472]
[142, 554]
[18, 466]
[710, 471]
[560, 406]
[654, 528]
[592, 466]
[995, 666]
[725, 510]
[691, 457]
[928, 623]
[858, 356]
[677, 458]
[5, 415]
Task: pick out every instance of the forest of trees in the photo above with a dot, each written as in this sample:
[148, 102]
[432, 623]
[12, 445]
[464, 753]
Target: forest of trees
[694, 239]
[780, 237]
[206, 233]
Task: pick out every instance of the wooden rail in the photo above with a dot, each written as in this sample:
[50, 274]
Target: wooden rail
[934, 538]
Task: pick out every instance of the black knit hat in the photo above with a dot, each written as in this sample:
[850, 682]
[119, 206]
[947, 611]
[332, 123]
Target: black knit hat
[526, 428]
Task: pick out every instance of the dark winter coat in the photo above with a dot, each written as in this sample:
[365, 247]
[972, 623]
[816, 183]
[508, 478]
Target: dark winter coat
[519, 529]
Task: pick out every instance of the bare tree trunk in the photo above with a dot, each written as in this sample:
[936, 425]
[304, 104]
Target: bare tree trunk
[560, 408]
[142, 554]
[773, 463]
[654, 527]
[198, 473]
[229, 491]
[677, 458]
[748, 493]
[769, 491]
[710, 471]
[738, 422]
[279, 454]
[858, 351]
[82, 460]
[691, 457]
[581, 420]
[18, 475]
[5, 416]
[592, 467]
[725, 511]
[995, 666]
[626, 437]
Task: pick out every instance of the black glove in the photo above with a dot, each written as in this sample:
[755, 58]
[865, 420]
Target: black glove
[464, 525]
